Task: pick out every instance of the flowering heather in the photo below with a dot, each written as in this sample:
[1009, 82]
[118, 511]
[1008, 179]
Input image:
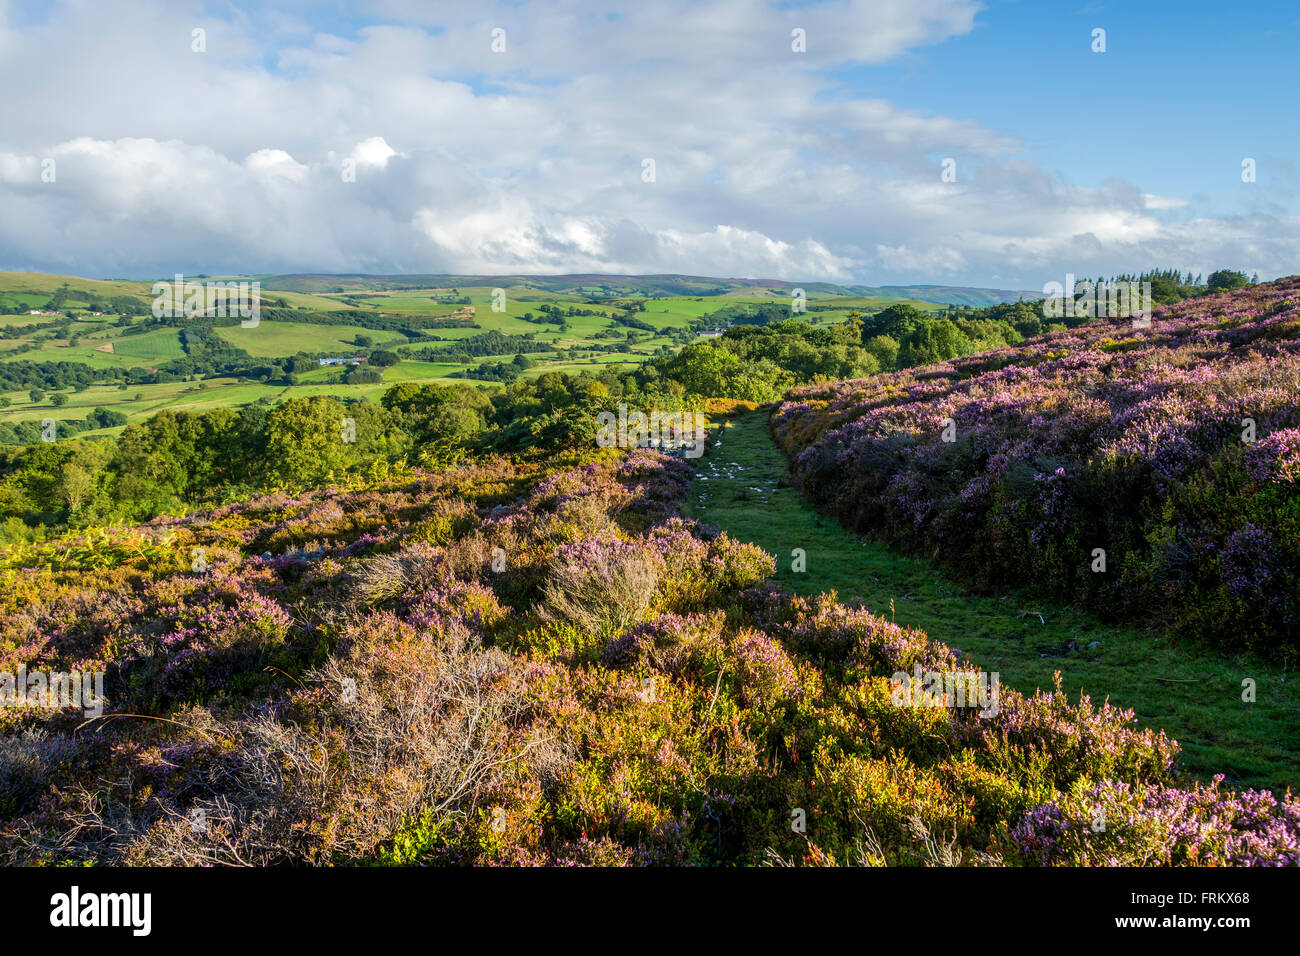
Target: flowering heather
[1077, 736]
[517, 664]
[668, 643]
[1275, 458]
[1115, 824]
[1174, 449]
[764, 670]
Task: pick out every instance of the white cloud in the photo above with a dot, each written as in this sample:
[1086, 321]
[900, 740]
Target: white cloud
[373, 152]
[469, 161]
[276, 162]
[1163, 202]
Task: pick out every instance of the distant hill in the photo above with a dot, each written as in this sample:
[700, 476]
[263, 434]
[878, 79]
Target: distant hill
[588, 284]
[649, 285]
[953, 295]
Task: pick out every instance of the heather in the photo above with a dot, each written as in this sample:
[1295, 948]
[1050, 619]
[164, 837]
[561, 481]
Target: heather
[1146, 473]
[537, 662]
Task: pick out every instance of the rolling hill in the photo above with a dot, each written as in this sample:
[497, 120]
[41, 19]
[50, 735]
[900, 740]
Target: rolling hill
[650, 285]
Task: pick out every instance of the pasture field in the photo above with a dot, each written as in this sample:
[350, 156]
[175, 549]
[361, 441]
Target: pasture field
[298, 300]
[151, 348]
[270, 339]
[78, 336]
[47, 283]
[20, 319]
[21, 302]
[134, 350]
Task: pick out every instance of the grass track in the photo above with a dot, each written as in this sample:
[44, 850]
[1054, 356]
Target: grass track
[1192, 693]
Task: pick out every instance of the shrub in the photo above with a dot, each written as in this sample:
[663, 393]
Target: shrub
[1017, 466]
[600, 585]
[332, 689]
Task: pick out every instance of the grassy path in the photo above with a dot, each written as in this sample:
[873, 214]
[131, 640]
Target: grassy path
[1193, 694]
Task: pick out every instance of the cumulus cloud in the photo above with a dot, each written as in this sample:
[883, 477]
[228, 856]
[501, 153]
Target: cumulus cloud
[405, 144]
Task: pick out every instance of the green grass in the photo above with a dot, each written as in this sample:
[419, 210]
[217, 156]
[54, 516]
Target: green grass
[275, 339]
[298, 300]
[410, 303]
[23, 319]
[153, 348]
[136, 350]
[47, 283]
[1193, 693]
[21, 302]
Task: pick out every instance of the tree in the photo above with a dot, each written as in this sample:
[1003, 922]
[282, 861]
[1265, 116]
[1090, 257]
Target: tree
[935, 341]
[384, 358]
[76, 485]
[177, 457]
[376, 432]
[306, 441]
[363, 376]
[38, 473]
[1225, 280]
[58, 399]
[105, 418]
[897, 321]
[885, 350]
[37, 395]
[705, 369]
[439, 414]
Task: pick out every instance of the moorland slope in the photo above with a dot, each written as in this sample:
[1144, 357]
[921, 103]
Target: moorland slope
[1147, 473]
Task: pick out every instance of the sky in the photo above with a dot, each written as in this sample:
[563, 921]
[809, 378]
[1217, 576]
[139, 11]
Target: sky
[856, 141]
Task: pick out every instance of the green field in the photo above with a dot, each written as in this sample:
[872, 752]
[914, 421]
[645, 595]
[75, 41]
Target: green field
[129, 350]
[47, 283]
[150, 348]
[1191, 693]
[274, 339]
[84, 337]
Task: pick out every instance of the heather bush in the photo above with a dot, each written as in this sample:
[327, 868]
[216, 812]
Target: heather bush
[702, 566]
[1086, 440]
[354, 679]
[1116, 824]
[445, 522]
[408, 722]
[764, 672]
[1076, 741]
[670, 643]
[600, 585]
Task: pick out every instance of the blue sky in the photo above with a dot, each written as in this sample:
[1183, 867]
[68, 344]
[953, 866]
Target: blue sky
[390, 137]
[1183, 92]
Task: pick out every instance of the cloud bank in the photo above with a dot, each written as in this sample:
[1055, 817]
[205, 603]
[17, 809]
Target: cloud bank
[668, 137]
